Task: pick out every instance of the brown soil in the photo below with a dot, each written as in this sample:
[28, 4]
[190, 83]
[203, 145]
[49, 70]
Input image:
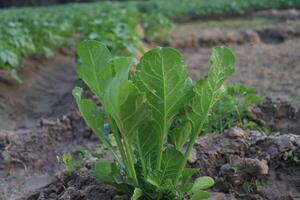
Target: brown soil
[267, 51]
[39, 121]
[45, 92]
[29, 157]
[234, 158]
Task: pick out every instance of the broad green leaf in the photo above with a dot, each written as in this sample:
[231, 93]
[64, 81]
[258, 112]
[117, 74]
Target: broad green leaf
[95, 58]
[93, 118]
[147, 141]
[126, 105]
[107, 172]
[162, 76]
[154, 178]
[202, 183]
[210, 89]
[188, 173]
[180, 134]
[199, 195]
[137, 194]
[171, 161]
[185, 187]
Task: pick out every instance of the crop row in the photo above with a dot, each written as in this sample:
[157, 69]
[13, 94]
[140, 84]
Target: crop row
[37, 31]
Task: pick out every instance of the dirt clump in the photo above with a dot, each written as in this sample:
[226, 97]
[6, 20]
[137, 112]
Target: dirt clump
[277, 115]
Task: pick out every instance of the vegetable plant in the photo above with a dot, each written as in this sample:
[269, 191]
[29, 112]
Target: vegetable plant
[155, 113]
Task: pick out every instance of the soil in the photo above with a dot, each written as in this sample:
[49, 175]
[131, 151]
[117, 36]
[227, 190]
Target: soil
[45, 92]
[266, 48]
[39, 120]
[234, 158]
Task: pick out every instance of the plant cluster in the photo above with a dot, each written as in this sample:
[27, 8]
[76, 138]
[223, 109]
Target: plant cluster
[233, 108]
[180, 9]
[37, 31]
[155, 113]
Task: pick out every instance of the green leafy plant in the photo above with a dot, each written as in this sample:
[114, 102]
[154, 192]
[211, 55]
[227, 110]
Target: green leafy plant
[69, 163]
[290, 155]
[147, 105]
[233, 108]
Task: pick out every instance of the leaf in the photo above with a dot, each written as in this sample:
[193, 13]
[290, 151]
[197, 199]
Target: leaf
[137, 194]
[188, 173]
[147, 141]
[95, 69]
[185, 188]
[93, 118]
[125, 104]
[162, 76]
[202, 183]
[14, 74]
[108, 172]
[171, 161]
[179, 135]
[210, 89]
[199, 195]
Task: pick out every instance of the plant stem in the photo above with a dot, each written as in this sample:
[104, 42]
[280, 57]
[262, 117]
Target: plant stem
[160, 147]
[129, 153]
[189, 149]
[141, 156]
[120, 145]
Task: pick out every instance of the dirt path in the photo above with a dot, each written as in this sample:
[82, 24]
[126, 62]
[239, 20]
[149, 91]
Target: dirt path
[46, 92]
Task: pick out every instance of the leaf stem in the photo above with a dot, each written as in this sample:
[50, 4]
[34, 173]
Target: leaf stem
[116, 133]
[129, 153]
[160, 147]
[189, 149]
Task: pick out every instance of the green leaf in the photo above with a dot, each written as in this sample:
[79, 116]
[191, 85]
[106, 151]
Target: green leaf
[199, 195]
[202, 183]
[188, 173]
[179, 135]
[147, 141]
[108, 172]
[93, 118]
[185, 187]
[137, 194]
[14, 74]
[162, 75]
[125, 104]
[154, 178]
[171, 161]
[95, 68]
[210, 89]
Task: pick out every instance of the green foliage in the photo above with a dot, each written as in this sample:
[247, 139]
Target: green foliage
[233, 108]
[69, 163]
[157, 27]
[142, 104]
[180, 9]
[290, 155]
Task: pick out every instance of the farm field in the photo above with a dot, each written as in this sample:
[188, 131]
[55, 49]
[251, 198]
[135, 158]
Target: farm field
[249, 143]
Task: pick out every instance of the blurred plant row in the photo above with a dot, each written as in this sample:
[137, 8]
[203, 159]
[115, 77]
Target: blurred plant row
[38, 31]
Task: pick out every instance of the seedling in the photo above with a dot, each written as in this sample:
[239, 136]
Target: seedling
[290, 156]
[146, 106]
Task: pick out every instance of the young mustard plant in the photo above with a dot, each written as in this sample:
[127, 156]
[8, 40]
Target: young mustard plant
[155, 114]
